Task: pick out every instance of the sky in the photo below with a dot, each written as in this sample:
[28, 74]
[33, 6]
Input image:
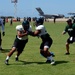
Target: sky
[26, 8]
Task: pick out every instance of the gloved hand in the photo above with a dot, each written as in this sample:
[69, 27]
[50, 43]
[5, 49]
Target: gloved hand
[30, 33]
[3, 33]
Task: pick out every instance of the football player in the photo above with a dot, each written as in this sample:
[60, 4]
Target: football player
[46, 40]
[20, 40]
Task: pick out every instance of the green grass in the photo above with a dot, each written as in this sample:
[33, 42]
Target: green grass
[31, 62]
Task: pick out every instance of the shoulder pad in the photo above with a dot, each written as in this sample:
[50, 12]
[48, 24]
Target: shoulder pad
[39, 27]
[19, 28]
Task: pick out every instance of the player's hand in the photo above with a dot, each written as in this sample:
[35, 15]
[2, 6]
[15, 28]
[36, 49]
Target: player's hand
[3, 33]
[30, 33]
[24, 31]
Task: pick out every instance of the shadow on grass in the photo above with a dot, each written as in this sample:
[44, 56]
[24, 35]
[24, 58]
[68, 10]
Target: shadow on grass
[5, 50]
[60, 62]
[56, 62]
[25, 62]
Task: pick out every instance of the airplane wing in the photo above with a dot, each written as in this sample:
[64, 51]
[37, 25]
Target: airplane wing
[41, 13]
[71, 13]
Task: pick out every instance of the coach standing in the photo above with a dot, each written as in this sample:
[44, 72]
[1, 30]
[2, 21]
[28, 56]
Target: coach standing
[70, 29]
[1, 31]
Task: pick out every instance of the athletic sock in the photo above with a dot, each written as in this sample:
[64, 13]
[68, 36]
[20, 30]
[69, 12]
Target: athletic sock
[7, 58]
[16, 56]
[50, 58]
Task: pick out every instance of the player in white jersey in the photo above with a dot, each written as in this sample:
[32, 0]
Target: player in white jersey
[46, 40]
[20, 40]
[1, 31]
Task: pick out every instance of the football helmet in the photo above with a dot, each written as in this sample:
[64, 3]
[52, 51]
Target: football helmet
[25, 25]
[39, 21]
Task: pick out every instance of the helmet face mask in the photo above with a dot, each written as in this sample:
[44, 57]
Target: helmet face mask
[25, 25]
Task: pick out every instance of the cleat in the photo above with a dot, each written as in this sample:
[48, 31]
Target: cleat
[52, 62]
[48, 61]
[16, 59]
[6, 62]
[1, 48]
[52, 54]
[67, 53]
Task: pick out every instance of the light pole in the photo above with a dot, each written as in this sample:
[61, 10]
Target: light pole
[15, 7]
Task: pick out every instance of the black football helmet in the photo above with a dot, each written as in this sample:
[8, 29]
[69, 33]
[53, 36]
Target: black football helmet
[25, 25]
[39, 21]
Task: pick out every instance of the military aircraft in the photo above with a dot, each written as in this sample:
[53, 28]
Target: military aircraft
[73, 15]
[41, 13]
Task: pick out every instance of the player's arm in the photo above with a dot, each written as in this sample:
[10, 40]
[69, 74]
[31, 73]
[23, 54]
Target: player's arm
[66, 30]
[21, 33]
[35, 33]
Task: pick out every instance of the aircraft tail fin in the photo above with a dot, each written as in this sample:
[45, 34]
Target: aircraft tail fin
[40, 11]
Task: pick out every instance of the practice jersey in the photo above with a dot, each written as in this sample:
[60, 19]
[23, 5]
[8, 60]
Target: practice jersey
[20, 28]
[70, 29]
[43, 34]
[42, 29]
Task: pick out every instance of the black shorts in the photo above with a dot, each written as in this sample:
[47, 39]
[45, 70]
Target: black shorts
[46, 43]
[70, 40]
[19, 44]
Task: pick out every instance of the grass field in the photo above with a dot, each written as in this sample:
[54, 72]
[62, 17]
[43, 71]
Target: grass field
[31, 62]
